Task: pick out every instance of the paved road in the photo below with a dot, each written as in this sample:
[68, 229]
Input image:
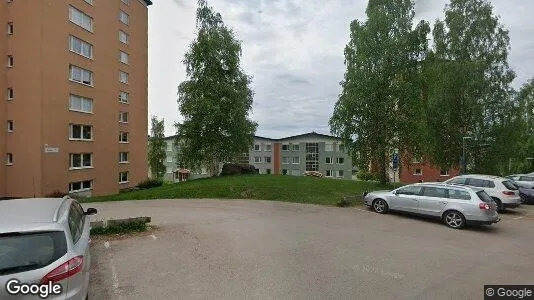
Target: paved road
[217, 249]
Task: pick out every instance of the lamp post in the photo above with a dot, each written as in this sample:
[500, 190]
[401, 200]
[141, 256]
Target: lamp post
[463, 153]
[530, 159]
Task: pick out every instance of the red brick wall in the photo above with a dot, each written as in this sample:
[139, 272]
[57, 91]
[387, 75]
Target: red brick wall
[430, 173]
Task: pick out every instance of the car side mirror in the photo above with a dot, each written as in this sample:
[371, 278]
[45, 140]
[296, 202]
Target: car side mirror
[91, 211]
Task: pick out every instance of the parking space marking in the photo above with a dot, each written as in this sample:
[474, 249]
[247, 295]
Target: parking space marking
[114, 276]
[517, 218]
[364, 210]
[106, 244]
[154, 237]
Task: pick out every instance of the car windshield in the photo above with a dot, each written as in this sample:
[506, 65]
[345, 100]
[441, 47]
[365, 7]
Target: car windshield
[482, 195]
[20, 252]
[510, 185]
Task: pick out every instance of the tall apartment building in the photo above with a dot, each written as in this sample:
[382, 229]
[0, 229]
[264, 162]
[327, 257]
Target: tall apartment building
[73, 78]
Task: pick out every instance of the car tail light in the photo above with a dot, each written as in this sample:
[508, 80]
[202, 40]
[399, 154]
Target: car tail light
[508, 193]
[64, 271]
[485, 206]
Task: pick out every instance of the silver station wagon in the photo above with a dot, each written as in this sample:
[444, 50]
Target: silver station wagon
[457, 206]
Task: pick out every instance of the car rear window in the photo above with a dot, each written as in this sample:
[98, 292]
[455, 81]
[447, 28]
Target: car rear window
[510, 185]
[482, 195]
[21, 252]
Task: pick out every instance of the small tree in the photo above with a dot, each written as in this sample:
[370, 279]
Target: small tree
[156, 149]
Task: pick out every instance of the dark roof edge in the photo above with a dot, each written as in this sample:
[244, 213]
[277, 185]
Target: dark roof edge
[148, 2]
[281, 139]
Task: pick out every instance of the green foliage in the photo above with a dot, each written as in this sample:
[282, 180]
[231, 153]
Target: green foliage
[367, 176]
[379, 106]
[150, 183]
[133, 227]
[216, 99]
[156, 149]
[522, 162]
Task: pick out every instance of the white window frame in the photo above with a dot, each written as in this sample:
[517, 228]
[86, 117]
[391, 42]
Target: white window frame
[257, 160]
[121, 135]
[83, 128]
[10, 28]
[267, 159]
[327, 173]
[83, 46]
[298, 160]
[124, 117]
[126, 2]
[124, 77]
[418, 174]
[10, 93]
[90, 2]
[124, 157]
[444, 174]
[124, 57]
[257, 147]
[86, 22]
[124, 97]
[297, 146]
[339, 148]
[121, 181]
[82, 161]
[83, 73]
[124, 17]
[337, 160]
[417, 160]
[268, 147]
[82, 188]
[9, 159]
[285, 160]
[169, 147]
[285, 145]
[340, 175]
[124, 37]
[169, 159]
[329, 147]
[331, 160]
[10, 126]
[82, 100]
[10, 62]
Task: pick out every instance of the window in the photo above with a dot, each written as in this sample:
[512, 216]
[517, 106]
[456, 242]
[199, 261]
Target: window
[435, 192]
[81, 104]
[124, 97]
[124, 17]
[123, 57]
[89, 1]
[257, 159]
[268, 147]
[10, 93]
[409, 190]
[340, 160]
[76, 220]
[443, 172]
[127, 2]
[340, 173]
[340, 147]
[257, 147]
[123, 37]
[10, 126]
[417, 159]
[458, 180]
[312, 157]
[510, 185]
[296, 147]
[267, 159]
[285, 147]
[328, 173]
[81, 160]
[284, 171]
[295, 172]
[169, 147]
[329, 147]
[123, 157]
[123, 117]
[80, 186]
[9, 159]
[123, 137]
[123, 77]
[10, 61]
[10, 28]
[285, 159]
[123, 177]
[418, 172]
[267, 171]
[296, 160]
[169, 159]
[81, 132]
[460, 195]
[329, 160]
[80, 47]
[526, 178]
[80, 75]
[77, 17]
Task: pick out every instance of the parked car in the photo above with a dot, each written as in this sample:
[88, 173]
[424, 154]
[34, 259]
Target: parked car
[526, 186]
[45, 241]
[503, 191]
[456, 205]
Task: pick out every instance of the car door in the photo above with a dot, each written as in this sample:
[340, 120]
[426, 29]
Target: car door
[433, 200]
[406, 199]
[79, 225]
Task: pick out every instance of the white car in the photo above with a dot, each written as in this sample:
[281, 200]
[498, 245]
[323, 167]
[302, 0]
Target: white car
[503, 191]
[524, 181]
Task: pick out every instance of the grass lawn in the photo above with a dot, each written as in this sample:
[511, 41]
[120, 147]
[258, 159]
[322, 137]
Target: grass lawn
[300, 189]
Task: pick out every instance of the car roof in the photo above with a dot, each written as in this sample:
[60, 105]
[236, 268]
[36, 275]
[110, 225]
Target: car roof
[21, 212]
[448, 185]
[481, 176]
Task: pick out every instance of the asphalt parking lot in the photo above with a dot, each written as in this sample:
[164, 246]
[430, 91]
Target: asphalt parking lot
[203, 249]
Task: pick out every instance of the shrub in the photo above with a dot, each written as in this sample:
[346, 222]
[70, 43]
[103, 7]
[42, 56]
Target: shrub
[56, 194]
[150, 183]
[367, 176]
[313, 174]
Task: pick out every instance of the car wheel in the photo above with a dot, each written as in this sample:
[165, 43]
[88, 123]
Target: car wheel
[380, 206]
[500, 207]
[454, 219]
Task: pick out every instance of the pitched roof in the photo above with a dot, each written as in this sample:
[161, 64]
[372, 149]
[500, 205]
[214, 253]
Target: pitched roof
[309, 134]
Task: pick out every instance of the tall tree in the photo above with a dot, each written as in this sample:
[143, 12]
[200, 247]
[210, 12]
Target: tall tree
[156, 148]
[469, 92]
[216, 99]
[523, 162]
[380, 107]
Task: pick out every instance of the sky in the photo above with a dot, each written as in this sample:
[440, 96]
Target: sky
[294, 51]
